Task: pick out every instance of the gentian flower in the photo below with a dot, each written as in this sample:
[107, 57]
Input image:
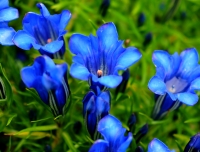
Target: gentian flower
[113, 133]
[98, 59]
[141, 133]
[104, 7]
[141, 19]
[122, 86]
[139, 149]
[158, 146]
[176, 79]
[95, 107]
[7, 14]
[44, 32]
[194, 144]
[49, 81]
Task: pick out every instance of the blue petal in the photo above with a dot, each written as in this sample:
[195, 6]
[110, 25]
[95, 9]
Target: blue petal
[79, 71]
[195, 85]
[129, 57]
[108, 36]
[29, 21]
[175, 64]
[4, 24]
[190, 60]
[110, 81]
[100, 146]
[8, 14]
[194, 74]
[78, 59]
[62, 69]
[157, 85]
[43, 10]
[79, 44]
[23, 40]
[6, 35]
[49, 83]
[46, 63]
[111, 129]
[102, 106]
[164, 60]
[39, 87]
[28, 75]
[105, 96]
[86, 99]
[188, 98]
[157, 146]
[125, 143]
[53, 47]
[61, 20]
[60, 98]
[4, 4]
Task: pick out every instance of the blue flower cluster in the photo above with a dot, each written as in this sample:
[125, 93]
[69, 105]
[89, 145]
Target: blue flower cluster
[98, 59]
[7, 14]
[158, 146]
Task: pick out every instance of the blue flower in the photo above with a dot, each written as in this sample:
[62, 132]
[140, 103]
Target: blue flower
[177, 76]
[194, 144]
[49, 81]
[6, 14]
[104, 7]
[158, 146]
[100, 58]
[44, 32]
[95, 107]
[113, 133]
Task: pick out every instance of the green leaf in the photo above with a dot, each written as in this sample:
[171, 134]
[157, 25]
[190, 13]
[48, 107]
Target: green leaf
[193, 120]
[93, 25]
[8, 88]
[39, 128]
[42, 119]
[179, 146]
[181, 137]
[37, 98]
[68, 141]
[10, 119]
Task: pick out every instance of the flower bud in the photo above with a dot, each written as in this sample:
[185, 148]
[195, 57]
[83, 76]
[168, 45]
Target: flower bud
[194, 144]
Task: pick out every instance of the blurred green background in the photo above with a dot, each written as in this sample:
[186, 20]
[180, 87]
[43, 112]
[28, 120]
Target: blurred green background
[171, 25]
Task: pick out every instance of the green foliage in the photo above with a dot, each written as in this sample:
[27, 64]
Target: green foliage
[27, 124]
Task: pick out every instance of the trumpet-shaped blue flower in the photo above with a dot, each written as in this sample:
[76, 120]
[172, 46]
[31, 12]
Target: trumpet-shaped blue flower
[44, 32]
[6, 14]
[158, 146]
[49, 81]
[194, 144]
[113, 133]
[177, 76]
[98, 59]
[95, 107]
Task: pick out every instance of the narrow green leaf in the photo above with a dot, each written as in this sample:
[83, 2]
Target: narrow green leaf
[193, 120]
[140, 113]
[179, 146]
[181, 137]
[39, 128]
[9, 146]
[10, 119]
[8, 88]
[37, 98]
[42, 119]
[93, 25]
[68, 141]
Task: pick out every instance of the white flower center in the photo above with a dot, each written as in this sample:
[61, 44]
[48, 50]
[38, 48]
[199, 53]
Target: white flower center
[176, 85]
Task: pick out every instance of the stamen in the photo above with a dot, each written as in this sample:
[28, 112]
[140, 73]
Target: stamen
[172, 89]
[49, 40]
[99, 73]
